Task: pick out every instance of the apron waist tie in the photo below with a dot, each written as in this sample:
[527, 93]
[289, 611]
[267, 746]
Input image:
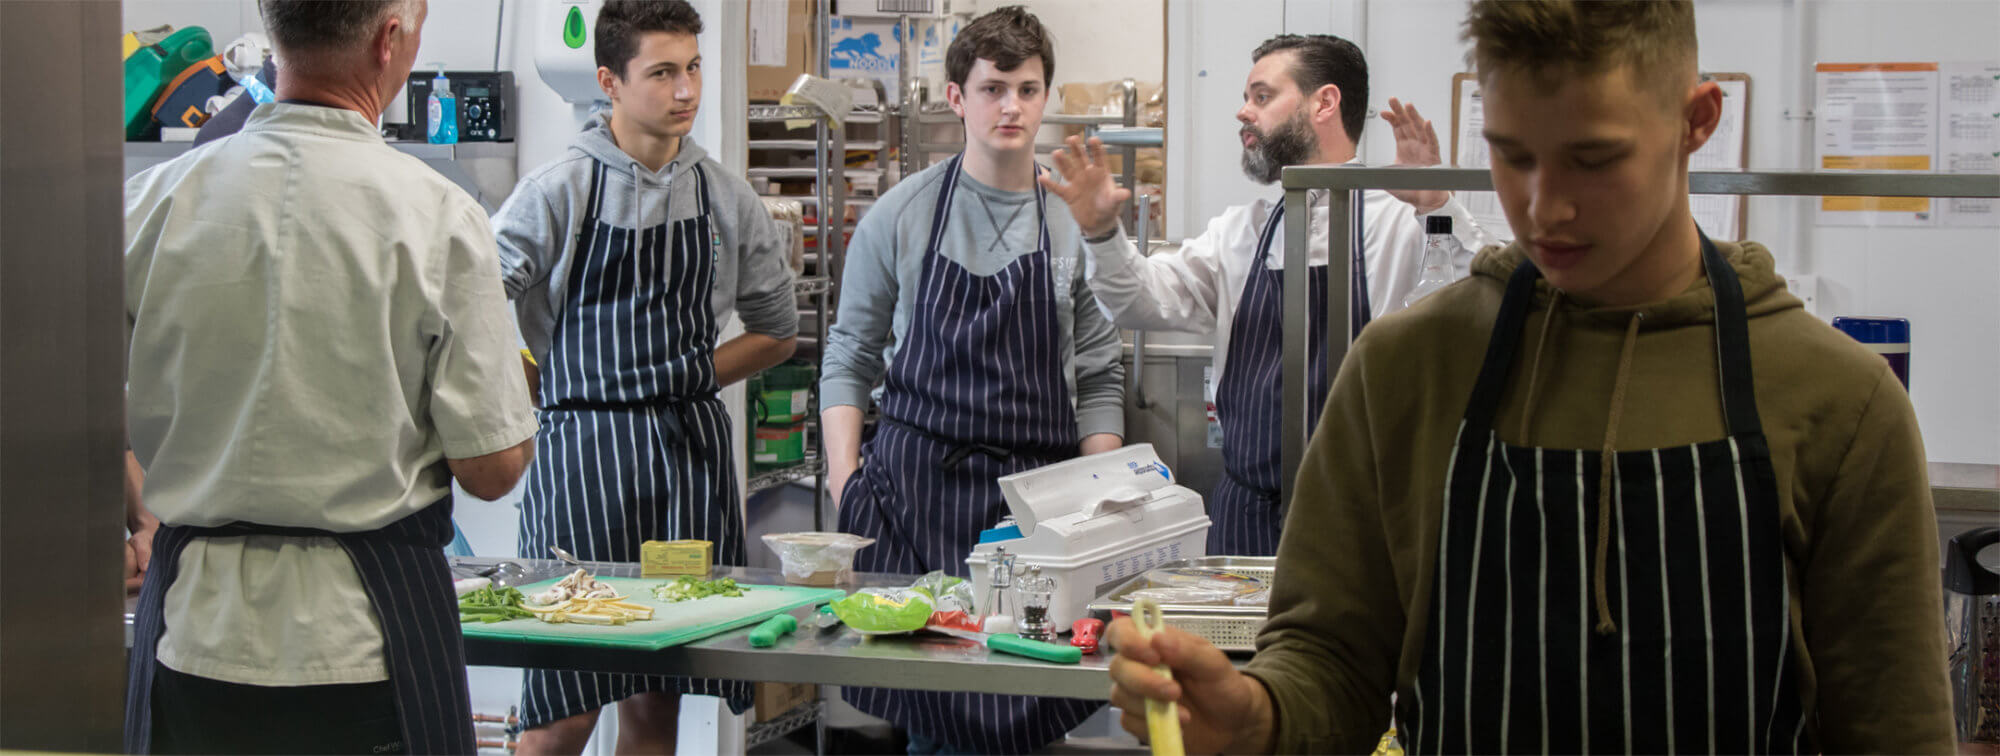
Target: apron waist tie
[673, 423]
[1244, 483]
[960, 450]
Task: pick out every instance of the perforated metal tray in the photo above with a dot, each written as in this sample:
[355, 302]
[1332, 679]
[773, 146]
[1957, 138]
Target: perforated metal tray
[1230, 628]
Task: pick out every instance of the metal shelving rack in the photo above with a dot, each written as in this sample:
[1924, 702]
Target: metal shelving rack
[917, 113]
[1343, 186]
[830, 192]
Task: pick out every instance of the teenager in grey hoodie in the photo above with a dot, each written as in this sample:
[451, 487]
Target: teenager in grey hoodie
[625, 257]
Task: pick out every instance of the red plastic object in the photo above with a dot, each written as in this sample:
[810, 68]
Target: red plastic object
[1084, 632]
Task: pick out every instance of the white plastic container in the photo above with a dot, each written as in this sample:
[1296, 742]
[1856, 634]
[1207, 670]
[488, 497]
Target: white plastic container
[1094, 522]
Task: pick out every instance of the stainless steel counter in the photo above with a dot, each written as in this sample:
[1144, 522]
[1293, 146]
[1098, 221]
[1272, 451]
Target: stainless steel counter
[840, 656]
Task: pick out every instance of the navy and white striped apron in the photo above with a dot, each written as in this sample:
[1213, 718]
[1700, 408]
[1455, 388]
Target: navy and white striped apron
[634, 443]
[402, 568]
[1695, 578]
[976, 392]
[1244, 512]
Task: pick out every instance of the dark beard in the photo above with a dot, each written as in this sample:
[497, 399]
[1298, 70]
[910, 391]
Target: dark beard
[1291, 143]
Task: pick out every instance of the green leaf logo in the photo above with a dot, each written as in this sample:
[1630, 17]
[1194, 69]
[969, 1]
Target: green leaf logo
[573, 28]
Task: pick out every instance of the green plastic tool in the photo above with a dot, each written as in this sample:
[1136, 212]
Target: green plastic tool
[1009, 643]
[766, 635]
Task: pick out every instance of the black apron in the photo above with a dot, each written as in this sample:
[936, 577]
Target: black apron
[403, 568]
[1244, 508]
[634, 443]
[1695, 578]
[1245, 514]
[976, 392]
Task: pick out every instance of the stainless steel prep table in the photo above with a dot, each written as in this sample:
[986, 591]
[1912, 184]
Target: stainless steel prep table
[840, 656]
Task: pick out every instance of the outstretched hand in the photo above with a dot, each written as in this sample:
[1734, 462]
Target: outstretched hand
[1416, 147]
[1086, 186]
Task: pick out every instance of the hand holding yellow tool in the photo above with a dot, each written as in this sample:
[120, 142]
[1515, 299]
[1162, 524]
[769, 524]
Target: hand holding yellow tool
[1163, 718]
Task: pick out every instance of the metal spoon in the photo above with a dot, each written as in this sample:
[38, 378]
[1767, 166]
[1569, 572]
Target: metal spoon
[565, 556]
[504, 574]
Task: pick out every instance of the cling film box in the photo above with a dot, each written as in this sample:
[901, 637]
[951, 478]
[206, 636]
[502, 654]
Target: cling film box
[672, 558]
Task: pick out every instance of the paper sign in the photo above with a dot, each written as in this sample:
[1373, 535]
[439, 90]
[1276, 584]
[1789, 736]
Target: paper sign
[767, 32]
[1969, 136]
[1876, 117]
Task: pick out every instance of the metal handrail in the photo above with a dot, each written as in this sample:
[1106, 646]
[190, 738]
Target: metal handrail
[1342, 184]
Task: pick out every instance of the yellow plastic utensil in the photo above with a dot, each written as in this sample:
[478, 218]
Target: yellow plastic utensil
[1163, 718]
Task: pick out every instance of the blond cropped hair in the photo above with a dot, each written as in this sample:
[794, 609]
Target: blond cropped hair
[1550, 39]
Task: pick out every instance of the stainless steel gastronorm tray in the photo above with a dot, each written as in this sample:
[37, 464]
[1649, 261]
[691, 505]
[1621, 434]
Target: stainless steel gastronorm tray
[1230, 628]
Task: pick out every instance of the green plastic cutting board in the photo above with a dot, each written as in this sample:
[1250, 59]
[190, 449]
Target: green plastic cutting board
[672, 623]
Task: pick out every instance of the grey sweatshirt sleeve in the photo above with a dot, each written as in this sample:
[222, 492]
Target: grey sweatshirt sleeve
[527, 231]
[764, 297]
[861, 329]
[1100, 369]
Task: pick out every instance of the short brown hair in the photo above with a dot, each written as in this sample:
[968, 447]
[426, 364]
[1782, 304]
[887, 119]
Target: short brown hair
[620, 22]
[1009, 37]
[1549, 38]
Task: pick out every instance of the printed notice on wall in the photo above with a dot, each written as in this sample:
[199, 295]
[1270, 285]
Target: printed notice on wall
[767, 32]
[1876, 117]
[1969, 136]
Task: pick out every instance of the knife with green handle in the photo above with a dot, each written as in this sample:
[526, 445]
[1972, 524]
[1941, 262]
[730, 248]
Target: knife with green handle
[766, 635]
[1009, 643]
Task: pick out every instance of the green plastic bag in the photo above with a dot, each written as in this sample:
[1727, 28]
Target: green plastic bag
[881, 611]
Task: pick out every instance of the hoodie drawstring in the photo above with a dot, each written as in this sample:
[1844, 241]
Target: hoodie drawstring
[1607, 464]
[1535, 366]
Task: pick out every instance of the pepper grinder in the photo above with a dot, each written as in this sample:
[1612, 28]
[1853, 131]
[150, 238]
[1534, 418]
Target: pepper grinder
[1037, 591]
[1000, 579]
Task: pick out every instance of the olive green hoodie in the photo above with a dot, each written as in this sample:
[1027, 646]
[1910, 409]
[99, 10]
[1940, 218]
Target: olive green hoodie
[1358, 556]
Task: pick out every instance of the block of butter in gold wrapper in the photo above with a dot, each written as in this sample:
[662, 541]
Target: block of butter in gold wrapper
[665, 558]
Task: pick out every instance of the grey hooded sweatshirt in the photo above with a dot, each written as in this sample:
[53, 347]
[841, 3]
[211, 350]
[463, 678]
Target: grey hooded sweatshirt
[539, 223]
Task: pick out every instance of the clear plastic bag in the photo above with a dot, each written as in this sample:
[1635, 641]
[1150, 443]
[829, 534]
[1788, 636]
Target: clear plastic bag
[813, 558]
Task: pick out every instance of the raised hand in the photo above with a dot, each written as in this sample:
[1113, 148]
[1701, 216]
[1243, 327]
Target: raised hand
[1087, 186]
[1416, 147]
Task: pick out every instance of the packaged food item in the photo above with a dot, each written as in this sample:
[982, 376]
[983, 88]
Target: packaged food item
[667, 558]
[814, 558]
[1259, 598]
[884, 611]
[1198, 586]
[1185, 595]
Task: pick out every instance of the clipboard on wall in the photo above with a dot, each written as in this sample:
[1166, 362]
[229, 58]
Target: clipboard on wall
[1728, 149]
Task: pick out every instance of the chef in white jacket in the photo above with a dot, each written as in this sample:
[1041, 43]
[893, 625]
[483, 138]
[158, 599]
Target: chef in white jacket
[1304, 104]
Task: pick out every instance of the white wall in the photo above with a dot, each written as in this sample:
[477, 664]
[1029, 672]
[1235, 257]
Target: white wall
[1100, 40]
[1943, 280]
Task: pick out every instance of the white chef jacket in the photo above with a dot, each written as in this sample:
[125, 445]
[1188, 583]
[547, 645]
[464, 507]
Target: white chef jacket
[317, 324]
[1196, 289]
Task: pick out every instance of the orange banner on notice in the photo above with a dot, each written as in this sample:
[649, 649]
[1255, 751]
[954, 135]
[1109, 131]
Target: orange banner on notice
[1876, 204]
[1875, 163]
[1885, 67]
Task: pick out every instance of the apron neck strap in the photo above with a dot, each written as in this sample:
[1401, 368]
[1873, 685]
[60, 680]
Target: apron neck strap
[1732, 343]
[1500, 348]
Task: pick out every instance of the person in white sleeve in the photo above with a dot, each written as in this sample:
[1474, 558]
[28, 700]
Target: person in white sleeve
[1305, 103]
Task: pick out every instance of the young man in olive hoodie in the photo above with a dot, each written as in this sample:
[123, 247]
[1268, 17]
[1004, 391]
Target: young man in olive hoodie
[1553, 507]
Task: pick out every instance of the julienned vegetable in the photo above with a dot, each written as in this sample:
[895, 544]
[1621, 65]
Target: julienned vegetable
[683, 589]
[491, 604]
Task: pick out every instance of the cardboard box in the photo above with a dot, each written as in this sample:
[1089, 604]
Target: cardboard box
[784, 43]
[773, 699]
